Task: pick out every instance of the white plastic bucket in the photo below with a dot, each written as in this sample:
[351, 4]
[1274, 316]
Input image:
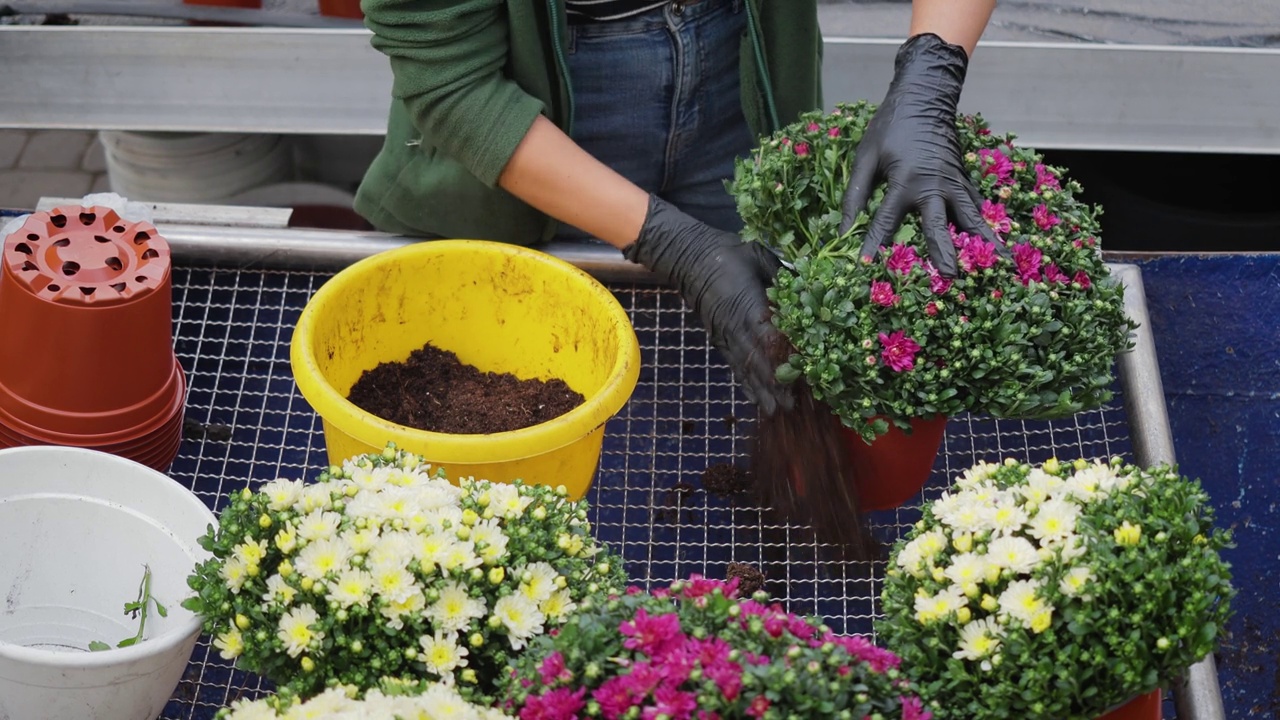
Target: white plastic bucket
[193, 167]
[76, 528]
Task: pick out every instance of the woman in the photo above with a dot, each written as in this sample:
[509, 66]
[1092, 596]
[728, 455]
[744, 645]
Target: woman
[526, 120]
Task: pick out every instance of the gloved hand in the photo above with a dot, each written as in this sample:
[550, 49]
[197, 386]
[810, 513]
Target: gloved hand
[724, 280]
[912, 144]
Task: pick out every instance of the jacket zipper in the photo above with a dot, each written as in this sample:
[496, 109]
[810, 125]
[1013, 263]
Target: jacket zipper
[763, 70]
[562, 66]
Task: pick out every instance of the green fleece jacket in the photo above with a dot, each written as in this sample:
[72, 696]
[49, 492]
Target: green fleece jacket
[470, 77]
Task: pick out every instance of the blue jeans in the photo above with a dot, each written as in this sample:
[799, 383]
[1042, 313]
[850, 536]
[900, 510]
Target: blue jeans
[657, 98]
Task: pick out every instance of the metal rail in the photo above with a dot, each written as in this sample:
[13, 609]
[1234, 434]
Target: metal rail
[1197, 695]
[325, 81]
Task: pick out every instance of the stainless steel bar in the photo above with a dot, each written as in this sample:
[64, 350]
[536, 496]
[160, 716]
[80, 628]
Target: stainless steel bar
[297, 80]
[1197, 695]
[332, 250]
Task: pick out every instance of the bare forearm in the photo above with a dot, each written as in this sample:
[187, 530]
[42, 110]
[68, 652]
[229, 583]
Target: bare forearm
[551, 173]
[959, 22]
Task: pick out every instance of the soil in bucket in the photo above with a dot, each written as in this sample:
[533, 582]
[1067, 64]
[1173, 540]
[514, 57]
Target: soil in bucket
[435, 391]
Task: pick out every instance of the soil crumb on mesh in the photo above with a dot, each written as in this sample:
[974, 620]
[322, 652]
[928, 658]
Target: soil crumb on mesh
[725, 479]
[750, 578]
[434, 391]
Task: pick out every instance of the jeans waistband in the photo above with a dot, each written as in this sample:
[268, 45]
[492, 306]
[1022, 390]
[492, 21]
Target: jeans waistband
[676, 6]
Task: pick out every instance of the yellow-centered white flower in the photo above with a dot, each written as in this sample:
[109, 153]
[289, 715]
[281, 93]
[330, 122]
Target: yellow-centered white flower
[297, 630]
[520, 616]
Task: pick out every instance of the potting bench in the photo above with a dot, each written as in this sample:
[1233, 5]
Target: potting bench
[239, 290]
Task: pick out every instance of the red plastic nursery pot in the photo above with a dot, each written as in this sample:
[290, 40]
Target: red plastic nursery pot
[86, 336]
[1143, 707]
[894, 467]
[341, 8]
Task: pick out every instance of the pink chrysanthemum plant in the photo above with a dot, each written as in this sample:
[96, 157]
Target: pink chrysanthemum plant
[696, 650]
[1030, 330]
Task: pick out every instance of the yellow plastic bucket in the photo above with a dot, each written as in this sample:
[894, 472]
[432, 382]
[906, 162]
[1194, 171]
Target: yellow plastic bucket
[499, 307]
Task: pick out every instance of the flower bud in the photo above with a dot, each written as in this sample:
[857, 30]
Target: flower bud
[476, 640]
[308, 665]
[264, 521]
[469, 517]
[242, 622]
[468, 676]
[357, 647]
[497, 575]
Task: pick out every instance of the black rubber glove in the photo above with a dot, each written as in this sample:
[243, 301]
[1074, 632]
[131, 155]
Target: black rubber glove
[912, 144]
[724, 280]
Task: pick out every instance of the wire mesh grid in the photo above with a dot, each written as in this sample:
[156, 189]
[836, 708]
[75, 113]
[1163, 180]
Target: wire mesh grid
[247, 424]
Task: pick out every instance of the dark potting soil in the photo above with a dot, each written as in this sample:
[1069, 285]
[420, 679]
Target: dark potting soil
[434, 391]
[724, 479]
[750, 579]
[804, 474]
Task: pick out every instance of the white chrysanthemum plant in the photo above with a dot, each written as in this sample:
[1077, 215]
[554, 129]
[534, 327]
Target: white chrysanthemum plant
[431, 701]
[1055, 591]
[382, 569]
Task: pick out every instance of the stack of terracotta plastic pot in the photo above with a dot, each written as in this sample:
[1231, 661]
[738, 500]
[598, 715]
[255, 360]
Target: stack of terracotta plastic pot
[86, 337]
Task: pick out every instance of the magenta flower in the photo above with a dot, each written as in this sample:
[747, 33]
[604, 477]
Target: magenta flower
[833, 132]
[802, 149]
[698, 586]
[931, 309]
[1044, 219]
[913, 709]
[937, 283]
[553, 670]
[614, 697]
[996, 216]
[1028, 259]
[1052, 274]
[561, 704]
[882, 293]
[653, 635]
[671, 703]
[998, 164]
[902, 258]
[899, 351]
[1046, 179]
[813, 127]
[878, 658]
[1081, 279]
[976, 254]
[759, 706]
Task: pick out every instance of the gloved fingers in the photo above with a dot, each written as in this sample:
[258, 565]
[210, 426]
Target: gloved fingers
[761, 383]
[767, 263]
[969, 217]
[886, 222]
[933, 216]
[862, 179]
